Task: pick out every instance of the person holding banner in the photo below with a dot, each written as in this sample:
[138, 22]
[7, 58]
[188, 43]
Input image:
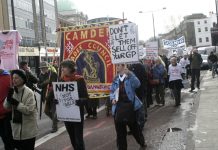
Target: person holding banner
[46, 78]
[126, 106]
[75, 129]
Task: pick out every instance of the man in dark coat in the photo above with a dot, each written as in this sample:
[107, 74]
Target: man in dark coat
[46, 78]
[139, 70]
[31, 79]
[195, 61]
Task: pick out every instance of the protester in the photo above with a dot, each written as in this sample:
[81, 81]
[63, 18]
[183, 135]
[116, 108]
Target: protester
[148, 66]
[123, 91]
[158, 72]
[196, 61]
[31, 79]
[46, 78]
[175, 80]
[139, 70]
[5, 115]
[24, 112]
[184, 62]
[75, 129]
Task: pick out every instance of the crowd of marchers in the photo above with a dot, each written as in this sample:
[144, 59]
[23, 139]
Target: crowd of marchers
[131, 94]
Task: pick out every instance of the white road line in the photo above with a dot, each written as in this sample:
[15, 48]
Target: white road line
[60, 130]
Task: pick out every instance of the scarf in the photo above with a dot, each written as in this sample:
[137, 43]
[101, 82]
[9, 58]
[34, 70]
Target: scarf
[73, 77]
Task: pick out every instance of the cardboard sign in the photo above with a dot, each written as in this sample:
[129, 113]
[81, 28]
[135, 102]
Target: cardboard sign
[124, 43]
[151, 50]
[67, 93]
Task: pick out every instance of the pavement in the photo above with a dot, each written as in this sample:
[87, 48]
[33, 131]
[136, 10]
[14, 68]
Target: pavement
[205, 129]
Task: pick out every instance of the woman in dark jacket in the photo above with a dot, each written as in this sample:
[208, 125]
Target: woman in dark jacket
[75, 129]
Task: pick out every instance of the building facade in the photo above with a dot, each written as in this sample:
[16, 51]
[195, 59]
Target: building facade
[28, 19]
[203, 32]
[195, 28]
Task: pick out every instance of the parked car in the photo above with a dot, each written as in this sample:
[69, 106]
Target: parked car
[204, 64]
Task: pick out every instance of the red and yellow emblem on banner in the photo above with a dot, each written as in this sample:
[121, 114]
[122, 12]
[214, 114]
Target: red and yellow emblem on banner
[90, 49]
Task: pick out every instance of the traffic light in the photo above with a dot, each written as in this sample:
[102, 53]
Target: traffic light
[214, 36]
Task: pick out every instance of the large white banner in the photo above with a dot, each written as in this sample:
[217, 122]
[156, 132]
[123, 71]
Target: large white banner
[177, 46]
[124, 43]
[151, 50]
[67, 93]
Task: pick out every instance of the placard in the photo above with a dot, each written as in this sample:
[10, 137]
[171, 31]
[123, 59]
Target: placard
[151, 50]
[124, 43]
[67, 93]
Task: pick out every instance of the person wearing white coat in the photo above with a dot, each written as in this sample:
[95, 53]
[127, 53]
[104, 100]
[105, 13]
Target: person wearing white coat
[22, 102]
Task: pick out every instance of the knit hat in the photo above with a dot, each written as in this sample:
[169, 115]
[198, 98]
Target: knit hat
[21, 74]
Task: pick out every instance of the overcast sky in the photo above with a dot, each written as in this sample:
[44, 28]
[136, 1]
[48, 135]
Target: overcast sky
[175, 9]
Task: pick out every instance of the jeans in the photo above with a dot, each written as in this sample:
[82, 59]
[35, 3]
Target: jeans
[28, 144]
[50, 111]
[6, 132]
[160, 93]
[121, 131]
[195, 74]
[75, 131]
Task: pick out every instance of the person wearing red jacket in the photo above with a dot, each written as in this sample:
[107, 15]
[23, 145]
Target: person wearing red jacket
[5, 115]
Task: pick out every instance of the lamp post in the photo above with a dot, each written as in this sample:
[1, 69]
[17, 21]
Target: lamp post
[13, 15]
[216, 13]
[152, 12]
[39, 59]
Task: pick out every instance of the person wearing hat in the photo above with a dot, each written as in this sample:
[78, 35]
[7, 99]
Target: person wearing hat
[75, 129]
[5, 115]
[46, 77]
[21, 101]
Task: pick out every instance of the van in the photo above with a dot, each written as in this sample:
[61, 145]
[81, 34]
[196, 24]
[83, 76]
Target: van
[207, 50]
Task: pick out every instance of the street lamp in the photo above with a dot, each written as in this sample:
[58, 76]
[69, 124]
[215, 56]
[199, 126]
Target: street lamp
[152, 12]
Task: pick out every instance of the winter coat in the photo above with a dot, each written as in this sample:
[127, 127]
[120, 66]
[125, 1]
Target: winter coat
[141, 74]
[196, 61]
[45, 82]
[31, 80]
[158, 72]
[131, 83]
[27, 106]
[5, 80]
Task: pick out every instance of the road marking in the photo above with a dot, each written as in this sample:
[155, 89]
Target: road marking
[49, 136]
[60, 130]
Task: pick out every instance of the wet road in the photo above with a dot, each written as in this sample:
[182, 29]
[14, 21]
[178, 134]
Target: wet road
[167, 128]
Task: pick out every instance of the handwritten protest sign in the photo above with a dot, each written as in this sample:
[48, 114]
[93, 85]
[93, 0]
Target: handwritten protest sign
[67, 93]
[124, 43]
[151, 50]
